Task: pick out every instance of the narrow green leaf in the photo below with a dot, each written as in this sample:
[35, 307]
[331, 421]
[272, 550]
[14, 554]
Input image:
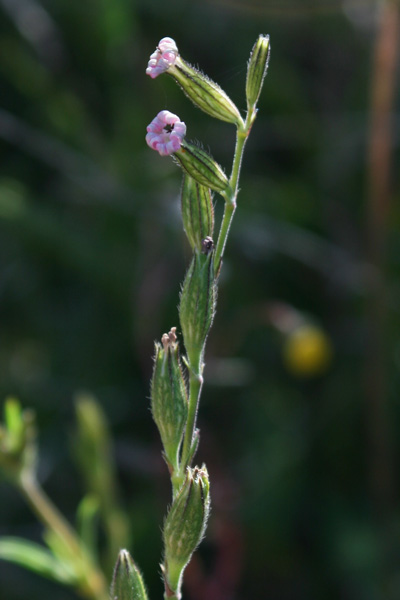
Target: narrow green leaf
[13, 417]
[59, 549]
[87, 522]
[36, 558]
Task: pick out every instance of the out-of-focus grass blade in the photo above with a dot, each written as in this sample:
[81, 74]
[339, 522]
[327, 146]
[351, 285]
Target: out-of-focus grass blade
[34, 557]
[87, 523]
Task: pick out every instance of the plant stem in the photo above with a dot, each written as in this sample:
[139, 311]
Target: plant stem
[48, 513]
[241, 138]
[95, 585]
[229, 211]
[195, 385]
[230, 199]
[196, 379]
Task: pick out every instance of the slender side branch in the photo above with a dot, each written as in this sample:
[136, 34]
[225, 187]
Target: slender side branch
[95, 585]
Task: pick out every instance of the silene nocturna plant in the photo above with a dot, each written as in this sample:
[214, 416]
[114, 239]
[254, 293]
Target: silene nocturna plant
[71, 556]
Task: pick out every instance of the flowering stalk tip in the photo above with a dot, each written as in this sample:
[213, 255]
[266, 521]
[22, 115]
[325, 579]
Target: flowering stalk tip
[165, 133]
[177, 382]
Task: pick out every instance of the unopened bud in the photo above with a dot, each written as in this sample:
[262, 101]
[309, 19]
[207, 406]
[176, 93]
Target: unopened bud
[169, 403]
[185, 524]
[197, 305]
[127, 582]
[201, 167]
[197, 212]
[257, 69]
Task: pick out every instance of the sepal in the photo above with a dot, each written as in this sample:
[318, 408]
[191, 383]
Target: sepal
[185, 524]
[197, 304]
[197, 163]
[204, 93]
[169, 402]
[127, 582]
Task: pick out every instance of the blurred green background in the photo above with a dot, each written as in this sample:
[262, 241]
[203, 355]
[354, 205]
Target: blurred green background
[300, 440]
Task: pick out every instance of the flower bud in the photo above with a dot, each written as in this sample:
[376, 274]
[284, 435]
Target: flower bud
[257, 69]
[185, 524]
[197, 212]
[169, 402]
[127, 582]
[197, 305]
[201, 167]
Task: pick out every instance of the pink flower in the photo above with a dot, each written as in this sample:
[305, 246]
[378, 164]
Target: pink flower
[165, 133]
[163, 57]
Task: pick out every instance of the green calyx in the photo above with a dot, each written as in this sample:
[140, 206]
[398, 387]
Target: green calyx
[169, 402]
[197, 163]
[197, 304]
[185, 524]
[205, 93]
[127, 583]
[197, 212]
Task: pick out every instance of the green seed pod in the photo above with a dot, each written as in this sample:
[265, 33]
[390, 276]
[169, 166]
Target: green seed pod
[257, 69]
[197, 305]
[185, 524]
[197, 212]
[169, 402]
[204, 93]
[199, 165]
[127, 582]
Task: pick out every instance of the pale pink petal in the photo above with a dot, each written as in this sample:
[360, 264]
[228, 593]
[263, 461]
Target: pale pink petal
[165, 133]
[163, 57]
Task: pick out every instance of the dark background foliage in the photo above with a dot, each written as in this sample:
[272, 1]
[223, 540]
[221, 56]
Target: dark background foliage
[92, 253]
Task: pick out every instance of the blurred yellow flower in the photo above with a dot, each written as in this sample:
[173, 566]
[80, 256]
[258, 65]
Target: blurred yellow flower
[307, 351]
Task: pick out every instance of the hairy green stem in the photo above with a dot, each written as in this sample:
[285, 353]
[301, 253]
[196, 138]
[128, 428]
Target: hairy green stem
[229, 211]
[230, 198]
[196, 380]
[95, 585]
[195, 385]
